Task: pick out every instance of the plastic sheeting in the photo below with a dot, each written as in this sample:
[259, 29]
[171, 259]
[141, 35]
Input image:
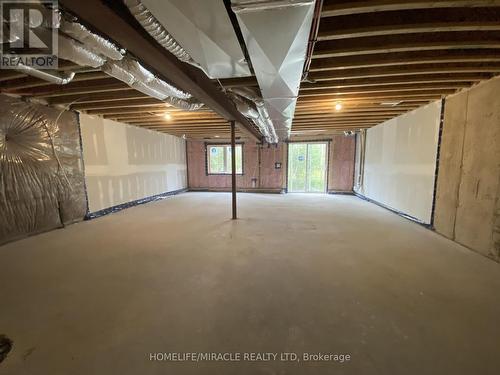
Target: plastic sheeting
[41, 170]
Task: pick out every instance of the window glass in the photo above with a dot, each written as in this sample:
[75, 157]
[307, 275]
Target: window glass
[219, 159]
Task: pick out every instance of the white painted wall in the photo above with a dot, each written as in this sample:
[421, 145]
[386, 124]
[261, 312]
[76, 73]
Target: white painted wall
[124, 163]
[400, 162]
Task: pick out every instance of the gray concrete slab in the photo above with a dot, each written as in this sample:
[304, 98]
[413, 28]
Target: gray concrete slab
[297, 273]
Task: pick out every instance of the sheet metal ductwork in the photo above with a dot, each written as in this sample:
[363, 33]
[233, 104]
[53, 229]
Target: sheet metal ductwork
[276, 34]
[194, 30]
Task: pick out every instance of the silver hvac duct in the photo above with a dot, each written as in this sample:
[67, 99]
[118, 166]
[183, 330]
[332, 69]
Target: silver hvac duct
[85, 48]
[132, 72]
[187, 105]
[71, 50]
[263, 121]
[89, 51]
[266, 24]
[141, 79]
[58, 78]
[157, 31]
[92, 41]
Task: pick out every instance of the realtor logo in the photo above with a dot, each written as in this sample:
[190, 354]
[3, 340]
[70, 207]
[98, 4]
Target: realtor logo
[28, 34]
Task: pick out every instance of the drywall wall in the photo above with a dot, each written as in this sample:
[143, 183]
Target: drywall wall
[124, 163]
[400, 162]
[259, 170]
[341, 163]
[41, 171]
[468, 189]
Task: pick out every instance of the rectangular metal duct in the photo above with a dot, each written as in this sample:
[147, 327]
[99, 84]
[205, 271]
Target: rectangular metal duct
[204, 30]
[276, 34]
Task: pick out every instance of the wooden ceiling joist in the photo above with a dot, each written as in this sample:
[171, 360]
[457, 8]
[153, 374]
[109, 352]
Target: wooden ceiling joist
[406, 58]
[340, 8]
[411, 70]
[407, 42]
[409, 22]
[379, 59]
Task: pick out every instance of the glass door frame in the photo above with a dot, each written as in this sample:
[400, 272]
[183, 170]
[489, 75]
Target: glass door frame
[327, 162]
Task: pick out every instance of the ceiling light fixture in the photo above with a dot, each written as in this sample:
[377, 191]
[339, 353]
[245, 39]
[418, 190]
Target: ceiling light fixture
[338, 106]
[167, 116]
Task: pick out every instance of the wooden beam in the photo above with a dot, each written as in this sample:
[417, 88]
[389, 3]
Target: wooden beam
[237, 82]
[409, 21]
[420, 69]
[406, 58]
[338, 8]
[397, 81]
[407, 42]
[393, 93]
[32, 82]
[141, 102]
[167, 123]
[98, 98]
[385, 97]
[382, 88]
[120, 26]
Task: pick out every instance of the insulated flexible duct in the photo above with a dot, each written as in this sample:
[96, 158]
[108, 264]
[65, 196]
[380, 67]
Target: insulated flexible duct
[85, 48]
[76, 52]
[264, 121]
[92, 41]
[136, 76]
[187, 105]
[157, 31]
[56, 77]
[247, 108]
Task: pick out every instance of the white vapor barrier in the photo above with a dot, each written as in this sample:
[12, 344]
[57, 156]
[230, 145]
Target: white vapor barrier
[400, 162]
[124, 163]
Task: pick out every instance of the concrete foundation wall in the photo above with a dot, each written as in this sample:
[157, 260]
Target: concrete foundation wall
[124, 163]
[400, 162]
[265, 176]
[468, 189]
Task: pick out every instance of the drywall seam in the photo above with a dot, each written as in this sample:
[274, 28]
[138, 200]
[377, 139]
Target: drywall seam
[461, 164]
[125, 163]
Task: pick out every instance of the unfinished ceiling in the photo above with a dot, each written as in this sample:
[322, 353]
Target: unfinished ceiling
[379, 59]
[374, 59]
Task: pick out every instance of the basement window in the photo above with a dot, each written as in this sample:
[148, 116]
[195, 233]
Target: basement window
[219, 159]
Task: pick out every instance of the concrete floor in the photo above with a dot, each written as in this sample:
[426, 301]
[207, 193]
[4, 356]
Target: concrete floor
[297, 273]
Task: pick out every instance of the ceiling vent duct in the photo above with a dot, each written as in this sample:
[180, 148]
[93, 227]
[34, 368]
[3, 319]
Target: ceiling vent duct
[259, 116]
[198, 30]
[276, 34]
[56, 77]
[83, 47]
[157, 31]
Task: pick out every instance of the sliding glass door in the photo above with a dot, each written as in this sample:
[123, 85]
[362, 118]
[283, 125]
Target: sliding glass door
[307, 163]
